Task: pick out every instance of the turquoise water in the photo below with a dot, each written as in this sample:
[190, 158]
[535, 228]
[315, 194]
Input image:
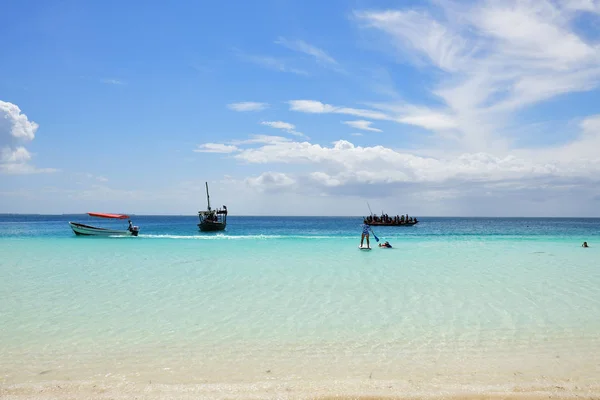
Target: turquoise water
[456, 301]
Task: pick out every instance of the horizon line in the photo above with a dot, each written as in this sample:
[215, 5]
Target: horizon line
[306, 216]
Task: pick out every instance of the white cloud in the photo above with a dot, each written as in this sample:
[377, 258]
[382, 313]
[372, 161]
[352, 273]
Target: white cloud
[346, 164]
[16, 129]
[286, 126]
[303, 47]
[495, 59]
[14, 156]
[216, 148]
[14, 125]
[429, 120]
[362, 124]
[248, 106]
[406, 114]
[279, 125]
[260, 139]
[271, 181]
[444, 47]
[316, 107]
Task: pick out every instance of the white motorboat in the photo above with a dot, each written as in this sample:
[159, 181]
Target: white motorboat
[88, 230]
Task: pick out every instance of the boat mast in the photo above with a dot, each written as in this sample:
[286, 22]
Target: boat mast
[207, 196]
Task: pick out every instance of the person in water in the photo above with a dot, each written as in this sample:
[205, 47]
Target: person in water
[584, 244]
[386, 244]
[365, 234]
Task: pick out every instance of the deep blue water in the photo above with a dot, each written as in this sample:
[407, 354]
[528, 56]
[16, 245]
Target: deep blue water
[57, 226]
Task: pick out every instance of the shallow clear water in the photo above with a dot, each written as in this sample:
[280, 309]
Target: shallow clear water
[455, 297]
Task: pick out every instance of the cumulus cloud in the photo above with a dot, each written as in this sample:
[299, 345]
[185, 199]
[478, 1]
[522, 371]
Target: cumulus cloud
[19, 155]
[14, 125]
[15, 130]
[271, 181]
[345, 164]
[248, 106]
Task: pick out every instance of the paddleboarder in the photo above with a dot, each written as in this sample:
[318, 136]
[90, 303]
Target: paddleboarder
[365, 234]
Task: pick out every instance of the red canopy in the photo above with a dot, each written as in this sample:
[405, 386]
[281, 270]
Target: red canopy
[103, 215]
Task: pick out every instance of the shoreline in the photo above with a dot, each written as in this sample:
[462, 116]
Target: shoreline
[295, 389]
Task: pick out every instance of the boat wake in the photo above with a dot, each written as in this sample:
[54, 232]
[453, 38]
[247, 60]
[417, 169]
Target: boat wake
[239, 237]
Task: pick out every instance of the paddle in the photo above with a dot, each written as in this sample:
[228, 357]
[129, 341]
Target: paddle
[375, 236]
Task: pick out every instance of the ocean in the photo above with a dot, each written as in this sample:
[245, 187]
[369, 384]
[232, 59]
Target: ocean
[289, 307]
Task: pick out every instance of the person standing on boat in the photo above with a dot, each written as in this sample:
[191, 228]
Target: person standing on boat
[130, 228]
[365, 234]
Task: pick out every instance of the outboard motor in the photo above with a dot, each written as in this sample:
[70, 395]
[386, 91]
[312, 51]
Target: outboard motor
[135, 230]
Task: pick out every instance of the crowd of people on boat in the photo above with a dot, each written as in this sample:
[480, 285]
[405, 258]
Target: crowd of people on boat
[387, 220]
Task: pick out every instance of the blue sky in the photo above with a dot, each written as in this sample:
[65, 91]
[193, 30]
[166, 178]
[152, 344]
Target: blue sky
[301, 107]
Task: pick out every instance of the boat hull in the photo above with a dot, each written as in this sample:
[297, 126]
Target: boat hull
[207, 226]
[87, 230]
[384, 224]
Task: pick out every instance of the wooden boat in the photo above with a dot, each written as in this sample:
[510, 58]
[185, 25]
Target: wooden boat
[374, 220]
[88, 230]
[212, 220]
[402, 223]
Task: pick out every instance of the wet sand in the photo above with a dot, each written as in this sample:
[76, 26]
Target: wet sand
[323, 390]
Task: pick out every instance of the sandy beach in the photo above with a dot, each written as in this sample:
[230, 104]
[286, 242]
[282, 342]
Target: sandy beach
[323, 390]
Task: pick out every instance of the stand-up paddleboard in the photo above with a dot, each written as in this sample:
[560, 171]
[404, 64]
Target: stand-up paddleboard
[364, 248]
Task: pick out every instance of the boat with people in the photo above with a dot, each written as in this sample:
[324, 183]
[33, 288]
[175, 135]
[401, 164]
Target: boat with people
[212, 220]
[386, 220]
[88, 230]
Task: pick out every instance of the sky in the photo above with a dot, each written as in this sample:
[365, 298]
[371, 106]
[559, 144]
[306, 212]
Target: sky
[431, 108]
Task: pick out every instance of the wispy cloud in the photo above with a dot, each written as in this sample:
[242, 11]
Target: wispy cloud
[248, 106]
[495, 58]
[113, 81]
[216, 148]
[404, 114]
[272, 63]
[362, 124]
[299, 45]
[260, 139]
[286, 126]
